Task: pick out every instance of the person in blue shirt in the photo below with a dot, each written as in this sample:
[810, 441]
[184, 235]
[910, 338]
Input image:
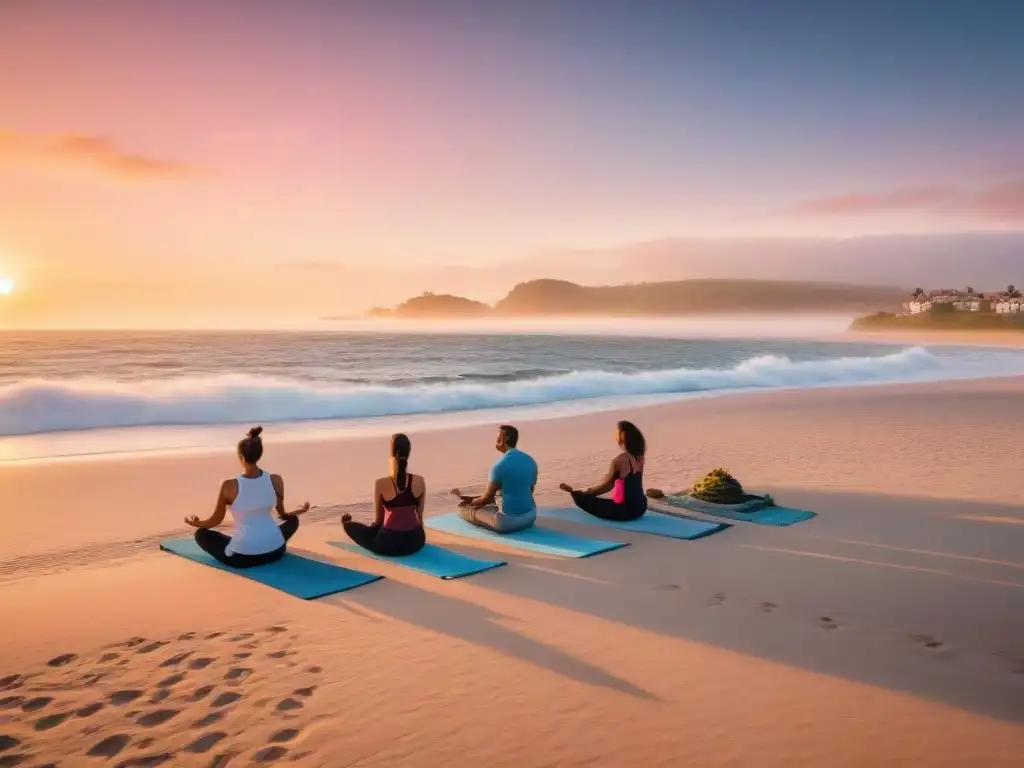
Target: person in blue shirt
[513, 478]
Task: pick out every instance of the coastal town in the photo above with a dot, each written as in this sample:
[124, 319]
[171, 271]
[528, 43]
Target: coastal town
[1008, 302]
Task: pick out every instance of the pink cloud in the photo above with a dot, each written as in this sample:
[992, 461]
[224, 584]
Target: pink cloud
[907, 198]
[1003, 202]
[91, 153]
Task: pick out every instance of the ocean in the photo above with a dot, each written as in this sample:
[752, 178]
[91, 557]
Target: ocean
[76, 394]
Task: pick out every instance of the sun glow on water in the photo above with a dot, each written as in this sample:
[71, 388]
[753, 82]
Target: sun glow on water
[6, 286]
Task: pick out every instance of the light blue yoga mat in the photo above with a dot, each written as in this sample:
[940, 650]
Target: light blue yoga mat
[431, 560]
[294, 574]
[543, 540]
[778, 516]
[654, 523]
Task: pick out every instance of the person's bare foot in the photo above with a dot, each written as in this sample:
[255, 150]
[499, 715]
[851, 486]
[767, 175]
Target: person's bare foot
[346, 518]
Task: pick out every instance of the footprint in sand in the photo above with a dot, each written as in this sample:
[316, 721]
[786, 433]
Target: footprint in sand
[717, 599]
[210, 719]
[134, 642]
[269, 754]
[89, 709]
[767, 606]
[200, 693]
[110, 746]
[315, 670]
[145, 761]
[201, 663]
[7, 742]
[221, 760]
[107, 657]
[242, 656]
[284, 736]
[238, 674]
[276, 629]
[288, 705]
[225, 698]
[159, 717]
[9, 682]
[176, 660]
[152, 647]
[927, 641]
[206, 742]
[827, 622]
[241, 637]
[120, 698]
[215, 635]
[187, 636]
[174, 679]
[34, 705]
[10, 702]
[51, 721]
[61, 661]
[161, 695]
[305, 692]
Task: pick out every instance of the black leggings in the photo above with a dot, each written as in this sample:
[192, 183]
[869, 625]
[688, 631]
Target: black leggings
[607, 509]
[215, 542]
[384, 541]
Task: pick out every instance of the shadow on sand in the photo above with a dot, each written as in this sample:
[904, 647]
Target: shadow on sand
[916, 595]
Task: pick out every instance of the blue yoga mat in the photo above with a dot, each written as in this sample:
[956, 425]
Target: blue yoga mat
[778, 516]
[294, 574]
[653, 523]
[431, 560]
[543, 540]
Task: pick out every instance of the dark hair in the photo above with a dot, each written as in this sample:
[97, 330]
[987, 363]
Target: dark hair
[400, 449]
[250, 447]
[511, 435]
[632, 439]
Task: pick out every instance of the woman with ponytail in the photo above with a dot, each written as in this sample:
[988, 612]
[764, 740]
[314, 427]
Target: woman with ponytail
[397, 528]
[253, 497]
[625, 478]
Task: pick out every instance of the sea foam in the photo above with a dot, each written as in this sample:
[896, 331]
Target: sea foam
[37, 406]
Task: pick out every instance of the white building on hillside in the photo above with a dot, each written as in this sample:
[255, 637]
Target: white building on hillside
[1006, 305]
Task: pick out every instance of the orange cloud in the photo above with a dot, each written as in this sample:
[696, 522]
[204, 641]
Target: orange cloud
[92, 153]
[1002, 202]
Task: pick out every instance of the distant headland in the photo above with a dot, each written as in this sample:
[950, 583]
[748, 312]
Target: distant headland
[951, 310]
[545, 298]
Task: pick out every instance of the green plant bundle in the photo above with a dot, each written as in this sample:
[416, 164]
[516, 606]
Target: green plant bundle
[719, 487]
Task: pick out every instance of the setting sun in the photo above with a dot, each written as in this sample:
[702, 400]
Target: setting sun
[6, 286]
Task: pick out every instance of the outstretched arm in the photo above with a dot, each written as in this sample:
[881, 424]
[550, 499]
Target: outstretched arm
[487, 497]
[604, 486]
[279, 490]
[219, 510]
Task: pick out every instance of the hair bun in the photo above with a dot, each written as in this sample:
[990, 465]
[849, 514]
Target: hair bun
[255, 432]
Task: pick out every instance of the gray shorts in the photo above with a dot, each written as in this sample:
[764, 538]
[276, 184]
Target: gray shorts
[493, 519]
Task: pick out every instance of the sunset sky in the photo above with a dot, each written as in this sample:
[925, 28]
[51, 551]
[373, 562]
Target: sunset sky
[167, 162]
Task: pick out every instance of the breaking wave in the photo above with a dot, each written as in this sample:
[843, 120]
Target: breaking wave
[37, 406]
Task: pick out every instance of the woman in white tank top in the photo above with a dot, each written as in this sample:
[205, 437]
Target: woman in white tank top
[254, 496]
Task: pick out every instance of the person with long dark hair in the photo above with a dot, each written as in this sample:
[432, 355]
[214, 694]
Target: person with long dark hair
[625, 478]
[397, 528]
[253, 497]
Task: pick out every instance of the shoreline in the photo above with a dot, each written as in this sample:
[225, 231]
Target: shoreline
[884, 630]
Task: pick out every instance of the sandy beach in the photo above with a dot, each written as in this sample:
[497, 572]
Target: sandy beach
[889, 630]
